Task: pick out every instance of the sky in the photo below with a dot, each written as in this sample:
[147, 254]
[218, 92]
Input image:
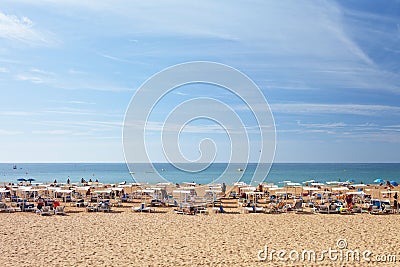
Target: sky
[330, 71]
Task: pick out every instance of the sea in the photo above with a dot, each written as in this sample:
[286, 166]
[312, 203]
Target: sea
[217, 172]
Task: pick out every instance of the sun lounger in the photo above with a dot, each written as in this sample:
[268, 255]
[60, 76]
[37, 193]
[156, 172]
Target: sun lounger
[27, 207]
[143, 208]
[91, 208]
[201, 208]
[386, 208]
[5, 208]
[276, 208]
[45, 211]
[60, 210]
[104, 207]
[219, 209]
[298, 206]
[322, 209]
[186, 209]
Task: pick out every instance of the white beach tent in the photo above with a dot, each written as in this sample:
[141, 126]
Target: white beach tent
[317, 184]
[183, 195]
[340, 189]
[64, 193]
[214, 193]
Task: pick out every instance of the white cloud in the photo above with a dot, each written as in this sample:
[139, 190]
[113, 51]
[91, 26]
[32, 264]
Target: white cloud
[22, 29]
[3, 70]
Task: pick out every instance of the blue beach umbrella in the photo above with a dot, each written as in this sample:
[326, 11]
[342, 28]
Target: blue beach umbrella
[394, 183]
[21, 180]
[378, 181]
[31, 179]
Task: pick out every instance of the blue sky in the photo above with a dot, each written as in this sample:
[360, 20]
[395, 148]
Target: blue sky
[329, 70]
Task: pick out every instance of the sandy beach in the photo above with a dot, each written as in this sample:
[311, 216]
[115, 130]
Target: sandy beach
[124, 238]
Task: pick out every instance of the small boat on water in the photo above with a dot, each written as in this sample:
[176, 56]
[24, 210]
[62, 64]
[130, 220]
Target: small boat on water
[239, 169]
[14, 167]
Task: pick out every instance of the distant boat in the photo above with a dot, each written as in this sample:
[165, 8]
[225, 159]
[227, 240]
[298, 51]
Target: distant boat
[240, 170]
[15, 167]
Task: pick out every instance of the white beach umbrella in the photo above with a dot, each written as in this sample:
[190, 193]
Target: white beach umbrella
[340, 189]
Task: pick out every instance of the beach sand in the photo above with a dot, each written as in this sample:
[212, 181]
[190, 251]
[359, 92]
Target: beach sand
[124, 238]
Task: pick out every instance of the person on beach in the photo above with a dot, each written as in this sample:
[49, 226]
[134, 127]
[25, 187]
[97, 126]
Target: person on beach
[349, 201]
[40, 203]
[260, 188]
[68, 181]
[395, 203]
[88, 192]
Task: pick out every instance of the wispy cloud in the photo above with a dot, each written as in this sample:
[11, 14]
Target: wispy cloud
[29, 78]
[36, 76]
[7, 132]
[73, 102]
[351, 109]
[17, 113]
[22, 29]
[52, 132]
[113, 58]
[70, 111]
[39, 76]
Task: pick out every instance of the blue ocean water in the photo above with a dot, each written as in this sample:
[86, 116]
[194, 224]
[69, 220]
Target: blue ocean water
[118, 172]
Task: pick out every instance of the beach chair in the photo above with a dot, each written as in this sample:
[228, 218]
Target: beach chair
[27, 207]
[275, 208]
[386, 207]
[219, 209]
[45, 211]
[376, 207]
[155, 202]
[201, 207]
[104, 207]
[81, 203]
[5, 208]
[257, 209]
[143, 208]
[91, 208]
[60, 210]
[324, 209]
[298, 206]
[179, 210]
